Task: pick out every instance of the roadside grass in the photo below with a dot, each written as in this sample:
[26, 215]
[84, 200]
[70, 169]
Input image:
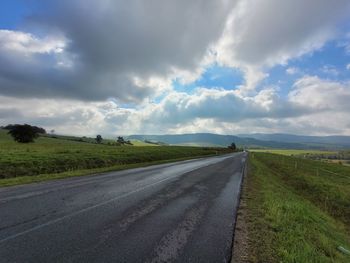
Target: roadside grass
[293, 212]
[54, 156]
[292, 151]
[45, 177]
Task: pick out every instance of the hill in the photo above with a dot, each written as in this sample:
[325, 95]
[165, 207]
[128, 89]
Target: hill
[209, 139]
[318, 141]
[65, 156]
[280, 141]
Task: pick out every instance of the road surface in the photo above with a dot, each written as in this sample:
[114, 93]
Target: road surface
[179, 212]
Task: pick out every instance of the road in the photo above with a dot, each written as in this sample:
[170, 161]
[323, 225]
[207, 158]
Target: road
[178, 212]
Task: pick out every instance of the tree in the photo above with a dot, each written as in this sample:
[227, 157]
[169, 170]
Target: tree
[99, 138]
[24, 133]
[233, 146]
[34, 128]
[121, 140]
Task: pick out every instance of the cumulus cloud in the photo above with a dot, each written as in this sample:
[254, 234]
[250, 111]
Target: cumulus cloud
[117, 49]
[260, 34]
[26, 43]
[309, 107]
[72, 66]
[321, 94]
[270, 32]
[112, 48]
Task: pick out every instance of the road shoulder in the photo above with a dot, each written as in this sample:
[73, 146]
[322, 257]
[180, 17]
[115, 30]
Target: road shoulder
[240, 247]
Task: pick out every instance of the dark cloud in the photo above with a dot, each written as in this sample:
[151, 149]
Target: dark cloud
[108, 44]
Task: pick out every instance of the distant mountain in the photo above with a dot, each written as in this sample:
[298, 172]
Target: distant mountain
[320, 141]
[209, 139]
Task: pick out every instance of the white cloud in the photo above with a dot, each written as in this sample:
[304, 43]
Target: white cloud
[131, 51]
[319, 94]
[17, 41]
[128, 50]
[212, 110]
[261, 34]
[292, 71]
[122, 47]
[348, 66]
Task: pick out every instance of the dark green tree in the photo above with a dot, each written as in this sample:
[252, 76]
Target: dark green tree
[120, 140]
[25, 133]
[99, 138]
[233, 146]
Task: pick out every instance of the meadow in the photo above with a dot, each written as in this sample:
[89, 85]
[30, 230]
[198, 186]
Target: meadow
[338, 157]
[56, 157]
[292, 151]
[297, 210]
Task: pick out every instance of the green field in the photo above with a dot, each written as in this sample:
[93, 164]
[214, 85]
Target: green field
[297, 210]
[55, 158]
[292, 152]
[142, 143]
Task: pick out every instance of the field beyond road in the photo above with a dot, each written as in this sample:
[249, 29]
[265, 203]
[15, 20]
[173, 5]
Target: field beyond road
[49, 158]
[295, 210]
[292, 151]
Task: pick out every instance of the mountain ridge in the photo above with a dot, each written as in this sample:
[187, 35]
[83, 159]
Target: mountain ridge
[257, 140]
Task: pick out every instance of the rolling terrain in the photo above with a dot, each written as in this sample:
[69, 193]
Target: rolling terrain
[311, 141]
[250, 141]
[48, 157]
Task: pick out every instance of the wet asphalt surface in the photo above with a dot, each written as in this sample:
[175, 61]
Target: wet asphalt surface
[179, 212]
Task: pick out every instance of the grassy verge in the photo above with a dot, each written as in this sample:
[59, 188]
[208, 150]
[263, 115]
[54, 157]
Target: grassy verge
[45, 177]
[292, 151]
[296, 210]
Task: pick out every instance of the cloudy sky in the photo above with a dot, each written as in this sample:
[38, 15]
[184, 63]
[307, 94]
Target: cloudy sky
[176, 66]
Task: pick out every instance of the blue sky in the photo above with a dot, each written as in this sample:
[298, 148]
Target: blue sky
[330, 62]
[113, 63]
[14, 12]
[214, 76]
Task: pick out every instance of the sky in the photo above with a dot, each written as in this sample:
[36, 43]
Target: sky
[115, 67]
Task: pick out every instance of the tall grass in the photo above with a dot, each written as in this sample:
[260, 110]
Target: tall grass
[298, 210]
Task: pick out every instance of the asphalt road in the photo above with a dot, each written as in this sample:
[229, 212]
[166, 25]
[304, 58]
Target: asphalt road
[179, 212]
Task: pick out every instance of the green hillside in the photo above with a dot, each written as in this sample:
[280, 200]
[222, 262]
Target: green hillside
[55, 156]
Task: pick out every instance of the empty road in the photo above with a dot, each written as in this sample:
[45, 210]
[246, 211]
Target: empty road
[178, 212]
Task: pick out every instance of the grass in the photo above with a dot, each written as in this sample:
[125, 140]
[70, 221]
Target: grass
[45, 177]
[297, 210]
[292, 151]
[142, 143]
[57, 158]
